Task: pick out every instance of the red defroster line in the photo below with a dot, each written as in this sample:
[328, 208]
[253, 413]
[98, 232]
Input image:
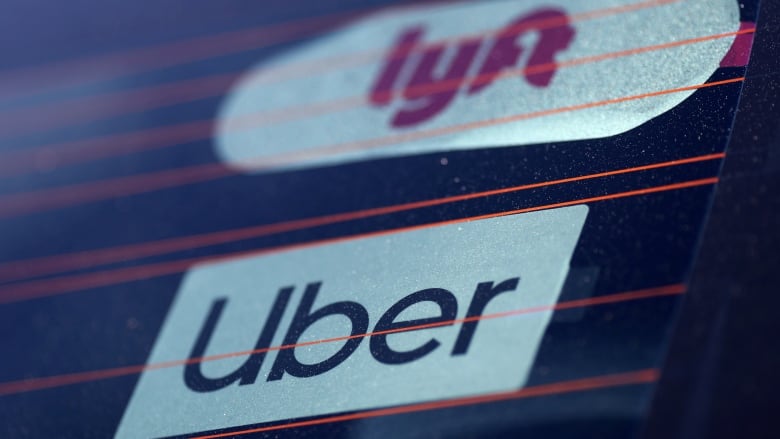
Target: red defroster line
[32, 384]
[645, 376]
[92, 108]
[46, 199]
[65, 284]
[25, 269]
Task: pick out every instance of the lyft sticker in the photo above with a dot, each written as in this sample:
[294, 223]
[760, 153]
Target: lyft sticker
[471, 75]
[426, 93]
[366, 323]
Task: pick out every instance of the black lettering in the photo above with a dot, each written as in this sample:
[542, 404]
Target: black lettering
[485, 293]
[286, 361]
[379, 348]
[247, 373]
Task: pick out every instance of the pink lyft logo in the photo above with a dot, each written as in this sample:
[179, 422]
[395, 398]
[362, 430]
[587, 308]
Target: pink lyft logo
[432, 86]
[436, 78]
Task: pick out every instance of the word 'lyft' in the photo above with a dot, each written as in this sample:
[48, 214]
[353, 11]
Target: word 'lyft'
[431, 86]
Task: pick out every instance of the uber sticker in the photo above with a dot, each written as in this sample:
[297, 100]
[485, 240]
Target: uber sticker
[471, 75]
[409, 291]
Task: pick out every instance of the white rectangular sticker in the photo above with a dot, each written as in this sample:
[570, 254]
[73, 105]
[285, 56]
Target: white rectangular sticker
[429, 276]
